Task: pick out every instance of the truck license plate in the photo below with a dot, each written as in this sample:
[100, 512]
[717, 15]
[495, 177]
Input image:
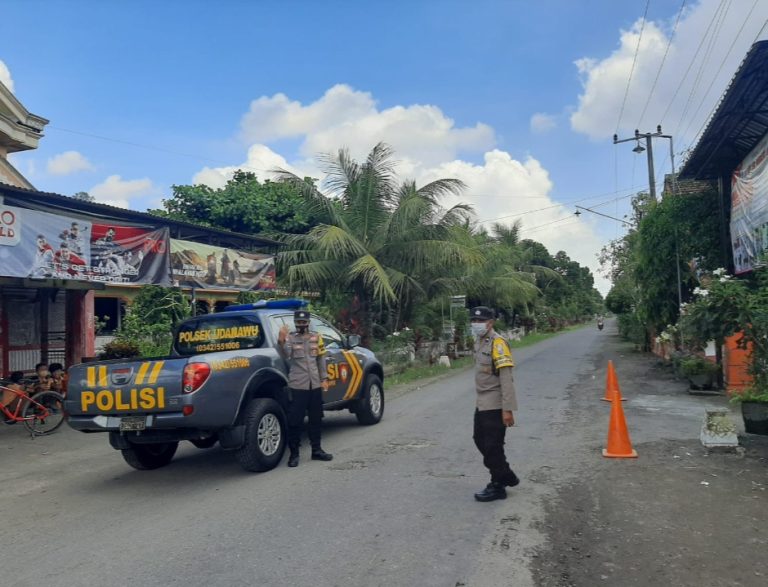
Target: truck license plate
[132, 423]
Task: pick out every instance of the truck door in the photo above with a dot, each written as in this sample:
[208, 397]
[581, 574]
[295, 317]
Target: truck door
[340, 371]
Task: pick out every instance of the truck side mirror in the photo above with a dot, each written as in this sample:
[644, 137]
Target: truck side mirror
[353, 340]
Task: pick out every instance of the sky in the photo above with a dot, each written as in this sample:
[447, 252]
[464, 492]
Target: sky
[518, 99]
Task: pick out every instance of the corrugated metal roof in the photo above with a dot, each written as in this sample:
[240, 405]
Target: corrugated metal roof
[50, 202]
[738, 124]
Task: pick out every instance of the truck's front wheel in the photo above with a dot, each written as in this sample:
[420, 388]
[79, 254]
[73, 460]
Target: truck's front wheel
[370, 406]
[264, 436]
[150, 456]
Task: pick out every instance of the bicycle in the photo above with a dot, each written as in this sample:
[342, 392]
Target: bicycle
[41, 414]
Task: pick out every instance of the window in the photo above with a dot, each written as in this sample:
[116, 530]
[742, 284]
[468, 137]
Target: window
[332, 338]
[219, 332]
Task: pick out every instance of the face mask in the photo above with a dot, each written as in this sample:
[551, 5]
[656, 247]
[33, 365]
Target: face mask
[478, 328]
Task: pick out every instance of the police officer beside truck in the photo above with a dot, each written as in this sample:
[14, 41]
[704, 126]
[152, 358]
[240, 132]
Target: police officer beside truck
[496, 402]
[304, 352]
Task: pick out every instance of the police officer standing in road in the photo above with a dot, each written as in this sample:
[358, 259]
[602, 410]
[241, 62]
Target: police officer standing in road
[307, 379]
[496, 402]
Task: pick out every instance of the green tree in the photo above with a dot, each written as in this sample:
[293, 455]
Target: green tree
[244, 205]
[507, 278]
[150, 319]
[672, 233]
[383, 240]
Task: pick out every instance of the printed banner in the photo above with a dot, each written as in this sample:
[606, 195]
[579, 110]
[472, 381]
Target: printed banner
[41, 245]
[749, 210]
[209, 267]
[126, 254]
[48, 246]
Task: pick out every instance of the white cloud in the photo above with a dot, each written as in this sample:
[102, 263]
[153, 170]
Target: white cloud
[504, 190]
[427, 144]
[420, 134]
[605, 79]
[115, 191]
[5, 76]
[67, 163]
[261, 160]
[541, 122]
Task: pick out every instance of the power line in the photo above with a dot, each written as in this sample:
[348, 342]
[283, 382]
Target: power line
[560, 205]
[634, 61]
[663, 60]
[707, 54]
[719, 69]
[693, 60]
[155, 148]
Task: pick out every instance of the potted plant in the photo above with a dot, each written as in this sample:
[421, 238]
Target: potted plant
[754, 409]
[700, 372]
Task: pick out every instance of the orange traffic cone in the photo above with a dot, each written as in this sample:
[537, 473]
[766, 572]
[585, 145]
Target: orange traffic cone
[619, 445]
[612, 389]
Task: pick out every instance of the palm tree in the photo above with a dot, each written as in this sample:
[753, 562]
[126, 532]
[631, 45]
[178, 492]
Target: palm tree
[384, 240]
[507, 280]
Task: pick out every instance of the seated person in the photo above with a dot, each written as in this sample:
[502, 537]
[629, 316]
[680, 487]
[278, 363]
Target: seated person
[43, 381]
[58, 377]
[9, 399]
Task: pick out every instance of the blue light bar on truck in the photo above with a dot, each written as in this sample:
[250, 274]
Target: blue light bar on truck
[294, 304]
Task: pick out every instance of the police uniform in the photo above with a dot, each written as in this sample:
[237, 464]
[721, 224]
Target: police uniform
[495, 393]
[307, 370]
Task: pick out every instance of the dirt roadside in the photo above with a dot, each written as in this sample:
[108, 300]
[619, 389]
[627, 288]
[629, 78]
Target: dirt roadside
[678, 515]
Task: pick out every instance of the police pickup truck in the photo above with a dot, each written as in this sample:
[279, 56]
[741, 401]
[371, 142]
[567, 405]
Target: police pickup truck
[224, 382]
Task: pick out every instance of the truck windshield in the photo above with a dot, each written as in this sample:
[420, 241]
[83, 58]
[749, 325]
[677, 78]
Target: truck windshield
[218, 333]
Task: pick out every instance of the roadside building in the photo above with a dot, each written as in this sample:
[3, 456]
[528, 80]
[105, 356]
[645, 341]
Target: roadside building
[732, 153]
[66, 263]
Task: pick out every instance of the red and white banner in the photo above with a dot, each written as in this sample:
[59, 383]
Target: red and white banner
[749, 210]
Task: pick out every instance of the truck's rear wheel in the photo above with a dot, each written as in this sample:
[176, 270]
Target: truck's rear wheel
[145, 457]
[370, 406]
[264, 436]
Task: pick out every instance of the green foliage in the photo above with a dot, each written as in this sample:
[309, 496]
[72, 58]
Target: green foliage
[384, 241]
[120, 349]
[244, 205]
[695, 365]
[681, 228]
[751, 394]
[620, 299]
[632, 329]
[644, 264]
[149, 321]
[726, 306]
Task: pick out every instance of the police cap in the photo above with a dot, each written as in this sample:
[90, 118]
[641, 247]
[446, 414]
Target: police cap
[482, 313]
[300, 315]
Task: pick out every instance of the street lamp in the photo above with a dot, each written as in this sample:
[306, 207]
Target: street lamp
[649, 148]
[580, 208]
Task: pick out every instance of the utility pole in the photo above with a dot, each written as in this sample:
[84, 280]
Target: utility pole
[648, 136]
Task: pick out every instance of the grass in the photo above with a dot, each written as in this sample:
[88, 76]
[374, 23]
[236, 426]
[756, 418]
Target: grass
[424, 371]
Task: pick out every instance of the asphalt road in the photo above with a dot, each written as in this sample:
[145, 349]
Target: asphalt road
[395, 506]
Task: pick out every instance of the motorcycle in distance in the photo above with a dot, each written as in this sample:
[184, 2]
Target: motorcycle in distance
[600, 324]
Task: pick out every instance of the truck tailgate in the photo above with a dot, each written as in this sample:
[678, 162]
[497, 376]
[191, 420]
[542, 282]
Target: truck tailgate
[125, 387]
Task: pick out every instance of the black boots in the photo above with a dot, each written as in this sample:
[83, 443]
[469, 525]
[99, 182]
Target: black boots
[492, 492]
[318, 454]
[495, 490]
